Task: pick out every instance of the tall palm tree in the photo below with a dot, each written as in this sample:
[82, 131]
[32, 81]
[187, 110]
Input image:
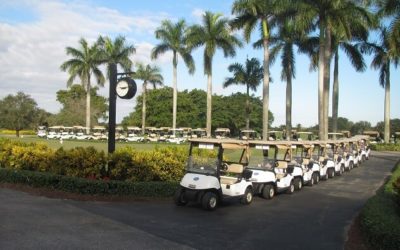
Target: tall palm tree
[173, 38]
[85, 62]
[284, 42]
[251, 13]
[339, 41]
[327, 16]
[249, 75]
[147, 74]
[383, 56]
[214, 33]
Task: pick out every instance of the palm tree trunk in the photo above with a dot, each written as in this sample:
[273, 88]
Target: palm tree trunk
[335, 94]
[175, 94]
[327, 78]
[387, 105]
[288, 108]
[247, 107]
[321, 71]
[88, 106]
[144, 108]
[265, 89]
[209, 102]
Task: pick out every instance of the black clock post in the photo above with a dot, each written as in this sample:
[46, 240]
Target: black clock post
[112, 108]
[126, 90]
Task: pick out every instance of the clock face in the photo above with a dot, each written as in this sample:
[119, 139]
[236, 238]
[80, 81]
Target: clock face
[122, 88]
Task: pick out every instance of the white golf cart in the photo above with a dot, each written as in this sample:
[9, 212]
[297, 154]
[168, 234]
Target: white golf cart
[248, 134]
[42, 132]
[80, 133]
[54, 132]
[355, 151]
[222, 133]
[99, 133]
[310, 170]
[364, 147]
[275, 135]
[303, 136]
[333, 150]
[153, 134]
[176, 136]
[198, 133]
[374, 136]
[327, 164]
[216, 170]
[271, 167]
[134, 134]
[344, 152]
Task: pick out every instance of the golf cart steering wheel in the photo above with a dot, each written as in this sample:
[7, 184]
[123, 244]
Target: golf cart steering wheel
[225, 166]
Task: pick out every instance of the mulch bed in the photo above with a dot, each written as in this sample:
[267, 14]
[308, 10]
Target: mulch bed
[57, 194]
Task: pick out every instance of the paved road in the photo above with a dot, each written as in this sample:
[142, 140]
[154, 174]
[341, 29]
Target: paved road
[315, 218]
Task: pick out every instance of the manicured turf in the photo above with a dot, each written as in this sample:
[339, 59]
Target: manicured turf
[99, 145]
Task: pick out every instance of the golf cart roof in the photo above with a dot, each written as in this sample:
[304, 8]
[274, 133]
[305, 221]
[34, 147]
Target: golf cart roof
[225, 143]
[397, 133]
[305, 132]
[99, 128]
[274, 131]
[305, 144]
[277, 144]
[335, 133]
[56, 127]
[134, 128]
[165, 128]
[371, 133]
[199, 130]
[186, 128]
[222, 130]
[247, 131]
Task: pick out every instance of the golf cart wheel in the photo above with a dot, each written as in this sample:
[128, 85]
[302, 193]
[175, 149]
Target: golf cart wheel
[342, 169]
[312, 180]
[363, 158]
[268, 192]
[330, 174]
[351, 165]
[209, 201]
[317, 178]
[179, 197]
[291, 188]
[298, 184]
[247, 197]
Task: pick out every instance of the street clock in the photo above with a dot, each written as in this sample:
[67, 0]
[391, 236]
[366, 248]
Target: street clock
[126, 88]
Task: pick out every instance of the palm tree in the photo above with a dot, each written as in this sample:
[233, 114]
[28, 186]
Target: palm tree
[84, 62]
[251, 13]
[284, 43]
[391, 8]
[147, 74]
[214, 33]
[173, 38]
[327, 16]
[249, 75]
[339, 41]
[383, 56]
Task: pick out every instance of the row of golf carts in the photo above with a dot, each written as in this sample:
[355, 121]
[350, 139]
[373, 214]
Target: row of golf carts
[222, 168]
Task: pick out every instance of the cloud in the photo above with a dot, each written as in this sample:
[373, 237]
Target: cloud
[32, 51]
[198, 13]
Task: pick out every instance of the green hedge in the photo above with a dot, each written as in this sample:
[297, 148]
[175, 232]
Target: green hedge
[380, 217]
[87, 186]
[160, 164]
[385, 147]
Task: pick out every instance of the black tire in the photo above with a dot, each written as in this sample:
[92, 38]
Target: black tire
[317, 178]
[290, 190]
[326, 177]
[209, 201]
[298, 184]
[342, 169]
[312, 180]
[331, 173]
[268, 192]
[247, 197]
[351, 165]
[179, 197]
[363, 158]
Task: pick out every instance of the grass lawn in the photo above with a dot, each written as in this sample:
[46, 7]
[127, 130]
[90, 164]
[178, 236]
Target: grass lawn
[99, 145]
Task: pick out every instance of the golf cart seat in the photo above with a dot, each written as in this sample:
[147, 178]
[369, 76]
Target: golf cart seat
[280, 169]
[244, 137]
[234, 169]
[321, 159]
[306, 161]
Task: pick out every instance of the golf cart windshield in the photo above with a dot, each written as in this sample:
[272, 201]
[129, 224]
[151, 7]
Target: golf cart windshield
[300, 153]
[262, 157]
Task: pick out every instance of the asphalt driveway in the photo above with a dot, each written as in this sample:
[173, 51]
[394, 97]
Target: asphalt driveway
[315, 218]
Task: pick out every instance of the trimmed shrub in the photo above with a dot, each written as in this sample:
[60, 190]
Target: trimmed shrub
[385, 147]
[380, 217]
[86, 186]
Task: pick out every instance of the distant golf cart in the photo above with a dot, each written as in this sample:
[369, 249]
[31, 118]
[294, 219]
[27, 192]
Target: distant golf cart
[363, 146]
[153, 134]
[333, 150]
[248, 134]
[396, 137]
[374, 136]
[303, 136]
[176, 136]
[198, 133]
[222, 133]
[80, 133]
[134, 134]
[345, 152]
[216, 170]
[335, 136]
[272, 168]
[41, 132]
[120, 134]
[275, 135]
[99, 133]
[54, 132]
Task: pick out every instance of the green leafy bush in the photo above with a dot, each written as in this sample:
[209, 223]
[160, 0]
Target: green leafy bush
[86, 186]
[385, 147]
[380, 217]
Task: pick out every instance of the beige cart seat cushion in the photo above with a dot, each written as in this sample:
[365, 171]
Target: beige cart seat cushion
[228, 180]
[235, 168]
